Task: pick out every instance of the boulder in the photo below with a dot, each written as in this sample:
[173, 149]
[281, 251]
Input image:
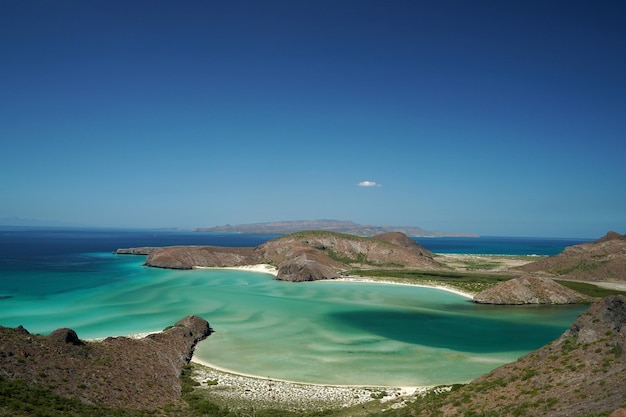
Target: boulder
[67, 336]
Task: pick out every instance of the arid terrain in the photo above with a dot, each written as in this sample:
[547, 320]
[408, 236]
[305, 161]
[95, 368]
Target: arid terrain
[117, 371]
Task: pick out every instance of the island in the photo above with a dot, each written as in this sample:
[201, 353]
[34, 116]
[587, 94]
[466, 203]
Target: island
[341, 226]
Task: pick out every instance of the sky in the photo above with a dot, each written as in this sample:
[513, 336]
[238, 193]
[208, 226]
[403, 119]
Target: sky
[488, 117]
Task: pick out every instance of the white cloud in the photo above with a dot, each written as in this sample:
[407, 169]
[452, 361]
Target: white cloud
[369, 184]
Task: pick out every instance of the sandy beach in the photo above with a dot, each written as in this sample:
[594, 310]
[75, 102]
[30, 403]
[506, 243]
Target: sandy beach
[259, 392]
[272, 270]
[382, 281]
[261, 268]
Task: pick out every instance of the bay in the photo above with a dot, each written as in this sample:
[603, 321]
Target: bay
[319, 332]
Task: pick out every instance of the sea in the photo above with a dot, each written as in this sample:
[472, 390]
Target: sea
[325, 332]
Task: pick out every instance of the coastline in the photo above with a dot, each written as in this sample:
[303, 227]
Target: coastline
[229, 386]
[408, 390]
[272, 270]
[366, 280]
[260, 268]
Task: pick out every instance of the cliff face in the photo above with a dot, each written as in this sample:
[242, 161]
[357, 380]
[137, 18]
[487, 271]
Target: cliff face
[530, 290]
[305, 256]
[602, 260]
[116, 372]
[581, 373]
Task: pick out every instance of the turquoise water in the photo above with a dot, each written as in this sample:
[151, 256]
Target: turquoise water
[320, 332]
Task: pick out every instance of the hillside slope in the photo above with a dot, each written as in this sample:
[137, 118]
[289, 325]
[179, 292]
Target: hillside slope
[601, 260]
[116, 372]
[581, 373]
[530, 290]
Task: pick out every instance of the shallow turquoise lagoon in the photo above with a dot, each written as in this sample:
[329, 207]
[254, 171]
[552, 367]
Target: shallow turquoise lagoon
[318, 332]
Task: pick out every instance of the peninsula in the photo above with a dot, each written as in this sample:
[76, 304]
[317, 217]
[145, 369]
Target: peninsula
[301, 256]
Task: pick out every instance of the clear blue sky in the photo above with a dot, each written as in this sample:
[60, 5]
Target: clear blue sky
[498, 118]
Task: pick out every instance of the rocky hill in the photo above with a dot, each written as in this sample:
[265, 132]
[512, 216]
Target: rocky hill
[582, 373]
[530, 290]
[601, 260]
[303, 256]
[340, 226]
[115, 372]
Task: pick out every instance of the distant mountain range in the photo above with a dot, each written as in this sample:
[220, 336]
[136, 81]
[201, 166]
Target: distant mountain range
[341, 226]
[16, 221]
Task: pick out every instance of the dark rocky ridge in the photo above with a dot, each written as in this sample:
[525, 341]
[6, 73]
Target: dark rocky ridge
[302, 256]
[530, 290]
[601, 260]
[115, 372]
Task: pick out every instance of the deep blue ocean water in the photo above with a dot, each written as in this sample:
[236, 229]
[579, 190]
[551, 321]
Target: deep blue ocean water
[52, 260]
[325, 332]
[499, 245]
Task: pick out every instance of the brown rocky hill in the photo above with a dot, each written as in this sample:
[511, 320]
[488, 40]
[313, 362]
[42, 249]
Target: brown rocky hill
[601, 260]
[115, 372]
[530, 290]
[582, 373]
[303, 256]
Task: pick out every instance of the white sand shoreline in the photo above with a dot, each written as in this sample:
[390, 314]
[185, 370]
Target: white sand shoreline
[272, 270]
[271, 392]
[260, 268]
[366, 280]
[407, 389]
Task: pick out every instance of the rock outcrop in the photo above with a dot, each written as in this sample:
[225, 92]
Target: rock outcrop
[601, 260]
[145, 250]
[116, 372]
[530, 290]
[305, 256]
